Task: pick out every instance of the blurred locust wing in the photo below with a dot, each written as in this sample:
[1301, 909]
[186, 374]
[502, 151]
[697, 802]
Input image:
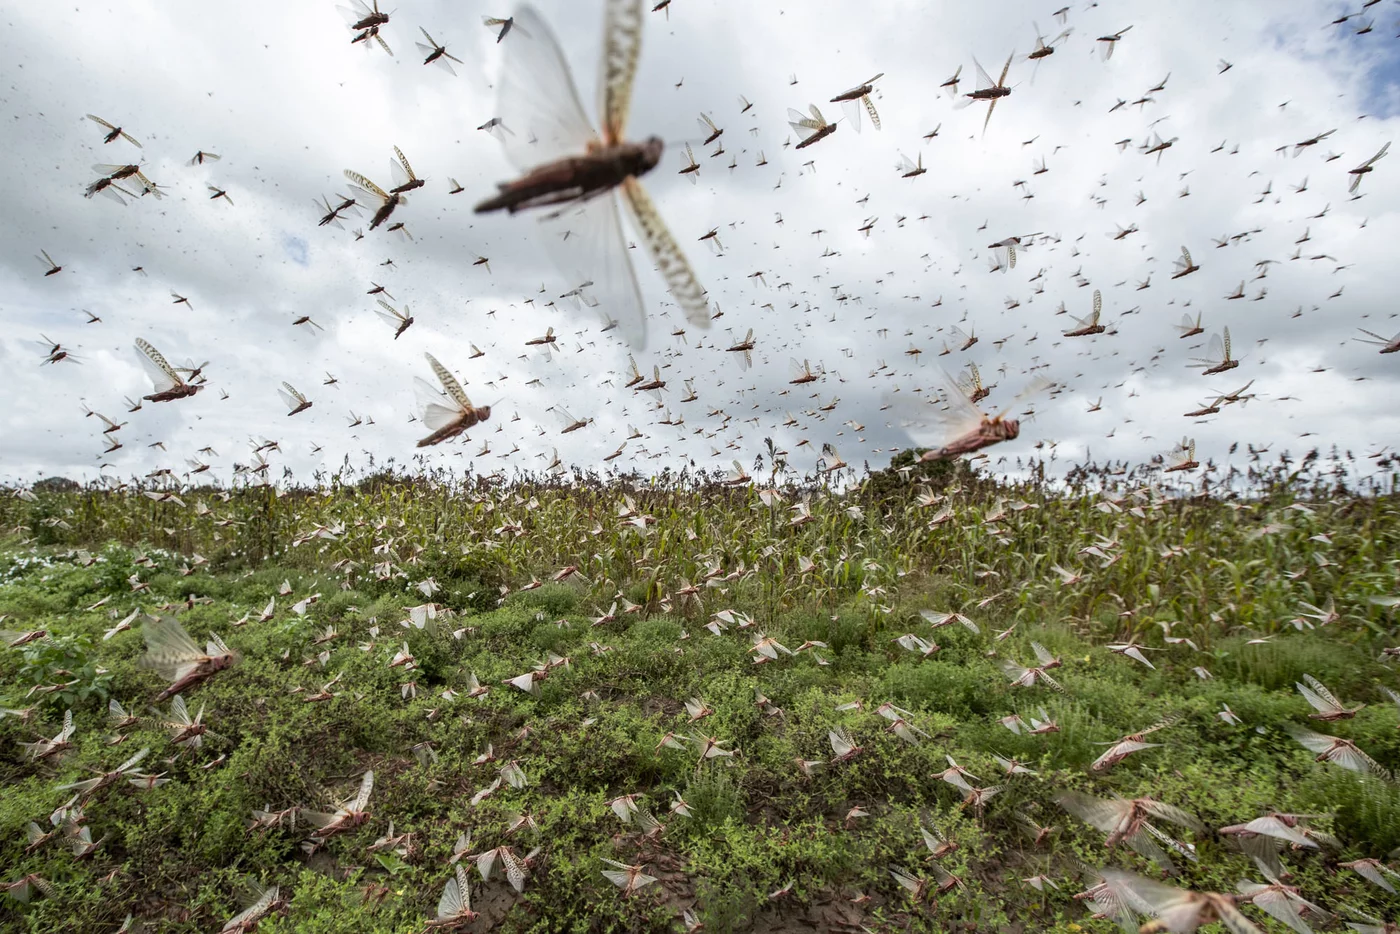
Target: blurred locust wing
[170, 651]
[675, 269]
[934, 423]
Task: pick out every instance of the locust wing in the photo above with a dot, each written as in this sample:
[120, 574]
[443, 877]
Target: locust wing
[390, 315]
[170, 651]
[1217, 352]
[622, 46]
[449, 382]
[1183, 263]
[841, 742]
[804, 125]
[456, 896]
[357, 11]
[984, 81]
[252, 913]
[619, 878]
[515, 870]
[852, 109]
[486, 864]
[1034, 388]
[135, 760]
[179, 712]
[1176, 910]
[362, 796]
[160, 371]
[586, 243]
[1275, 903]
[854, 106]
[291, 398]
[1316, 694]
[537, 96]
[565, 421]
[372, 192]
[1348, 757]
[934, 423]
[399, 169]
[675, 268]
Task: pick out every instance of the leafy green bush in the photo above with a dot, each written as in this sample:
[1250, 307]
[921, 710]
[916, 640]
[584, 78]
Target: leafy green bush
[64, 673]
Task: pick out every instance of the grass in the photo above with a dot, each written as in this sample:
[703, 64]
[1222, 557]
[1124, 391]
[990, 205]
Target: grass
[1222, 570]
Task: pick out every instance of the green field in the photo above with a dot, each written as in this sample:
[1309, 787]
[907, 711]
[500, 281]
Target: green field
[1293, 554]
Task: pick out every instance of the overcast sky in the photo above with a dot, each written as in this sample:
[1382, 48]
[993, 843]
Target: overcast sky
[278, 91]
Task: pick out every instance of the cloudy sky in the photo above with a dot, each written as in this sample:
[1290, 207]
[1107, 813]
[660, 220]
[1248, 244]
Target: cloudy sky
[280, 93]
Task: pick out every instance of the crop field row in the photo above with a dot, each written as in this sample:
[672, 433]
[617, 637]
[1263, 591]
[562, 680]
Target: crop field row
[928, 702]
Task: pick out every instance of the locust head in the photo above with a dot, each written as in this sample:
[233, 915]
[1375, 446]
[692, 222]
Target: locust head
[648, 155]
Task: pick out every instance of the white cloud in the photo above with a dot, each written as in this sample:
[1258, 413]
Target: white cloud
[280, 93]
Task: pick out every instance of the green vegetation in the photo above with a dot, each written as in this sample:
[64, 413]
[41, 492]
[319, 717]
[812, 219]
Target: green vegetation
[1288, 555]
